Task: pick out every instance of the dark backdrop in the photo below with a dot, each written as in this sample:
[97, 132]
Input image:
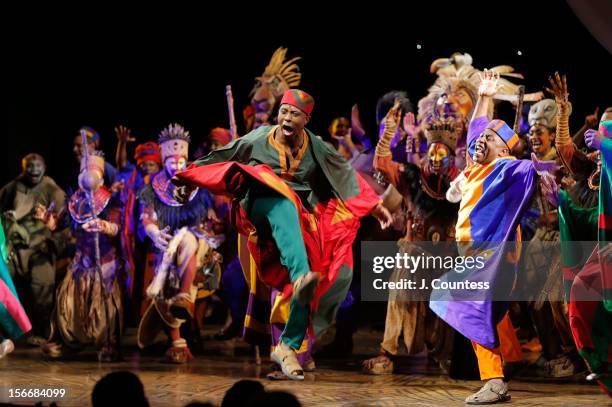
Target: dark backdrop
[147, 68]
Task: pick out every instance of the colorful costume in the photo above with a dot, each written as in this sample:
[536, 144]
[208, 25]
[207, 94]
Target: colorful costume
[588, 278]
[133, 236]
[278, 198]
[13, 320]
[89, 309]
[430, 218]
[172, 289]
[541, 265]
[494, 198]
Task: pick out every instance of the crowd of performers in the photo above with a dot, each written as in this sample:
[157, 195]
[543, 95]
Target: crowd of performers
[271, 222]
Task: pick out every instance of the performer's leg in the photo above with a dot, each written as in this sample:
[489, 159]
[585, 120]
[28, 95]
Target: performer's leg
[489, 362]
[187, 261]
[509, 344]
[183, 304]
[394, 323]
[43, 287]
[296, 326]
[277, 214]
[414, 329]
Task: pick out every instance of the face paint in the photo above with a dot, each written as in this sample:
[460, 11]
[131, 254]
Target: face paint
[439, 158]
[174, 164]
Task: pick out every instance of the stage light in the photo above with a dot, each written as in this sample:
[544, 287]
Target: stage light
[519, 52]
[419, 46]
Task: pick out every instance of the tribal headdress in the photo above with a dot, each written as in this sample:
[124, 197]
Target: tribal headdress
[455, 90]
[278, 77]
[545, 113]
[174, 141]
[442, 131]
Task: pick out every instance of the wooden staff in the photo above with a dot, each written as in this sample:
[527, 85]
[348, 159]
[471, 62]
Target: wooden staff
[519, 108]
[94, 217]
[230, 108]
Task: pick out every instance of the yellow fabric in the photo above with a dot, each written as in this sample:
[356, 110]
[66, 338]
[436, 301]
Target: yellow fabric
[471, 193]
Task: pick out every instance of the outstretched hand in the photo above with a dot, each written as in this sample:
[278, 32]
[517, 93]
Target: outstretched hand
[489, 83]
[392, 119]
[124, 135]
[559, 89]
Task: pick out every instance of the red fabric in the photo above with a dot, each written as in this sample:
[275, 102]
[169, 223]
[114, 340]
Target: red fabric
[585, 300]
[605, 221]
[328, 232]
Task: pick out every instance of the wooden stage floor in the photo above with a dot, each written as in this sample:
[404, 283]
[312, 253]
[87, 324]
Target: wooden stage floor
[335, 383]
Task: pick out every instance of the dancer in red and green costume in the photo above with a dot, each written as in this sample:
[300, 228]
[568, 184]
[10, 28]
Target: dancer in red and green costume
[299, 203]
[587, 271]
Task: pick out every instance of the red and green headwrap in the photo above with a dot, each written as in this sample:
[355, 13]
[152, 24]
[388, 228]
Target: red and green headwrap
[299, 99]
[504, 131]
[148, 151]
[221, 135]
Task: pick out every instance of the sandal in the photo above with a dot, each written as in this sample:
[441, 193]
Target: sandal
[6, 347]
[286, 359]
[52, 350]
[494, 391]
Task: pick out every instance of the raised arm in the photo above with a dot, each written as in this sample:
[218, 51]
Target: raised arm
[573, 159]
[489, 85]
[382, 157]
[123, 137]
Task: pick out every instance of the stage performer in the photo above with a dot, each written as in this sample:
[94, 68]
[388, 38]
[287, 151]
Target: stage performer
[299, 203]
[496, 193]
[430, 218]
[89, 307]
[173, 228]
